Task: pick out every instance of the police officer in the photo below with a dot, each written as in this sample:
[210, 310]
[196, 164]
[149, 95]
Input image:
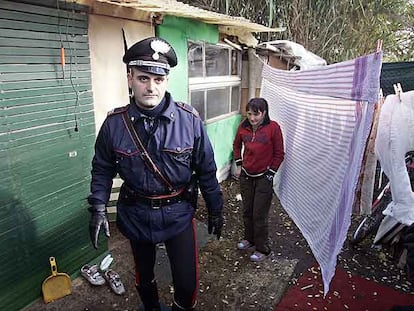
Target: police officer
[152, 206]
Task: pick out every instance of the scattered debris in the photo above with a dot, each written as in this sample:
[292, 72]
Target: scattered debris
[306, 287]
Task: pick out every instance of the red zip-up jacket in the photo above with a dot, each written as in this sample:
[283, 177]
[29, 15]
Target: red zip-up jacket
[263, 149]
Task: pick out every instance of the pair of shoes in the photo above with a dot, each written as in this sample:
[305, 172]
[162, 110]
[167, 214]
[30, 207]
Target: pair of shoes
[258, 256]
[92, 275]
[114, 281]
[244, 244]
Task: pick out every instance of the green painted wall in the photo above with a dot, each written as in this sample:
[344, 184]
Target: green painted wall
[44, 162]
[177, 31]
[221, 134]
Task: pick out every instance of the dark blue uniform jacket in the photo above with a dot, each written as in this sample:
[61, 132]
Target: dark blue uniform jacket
[178, 147]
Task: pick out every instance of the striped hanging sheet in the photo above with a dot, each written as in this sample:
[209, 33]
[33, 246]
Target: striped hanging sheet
[325, 115]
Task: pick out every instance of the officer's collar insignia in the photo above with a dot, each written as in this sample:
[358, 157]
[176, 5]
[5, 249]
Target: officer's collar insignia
[159, 46]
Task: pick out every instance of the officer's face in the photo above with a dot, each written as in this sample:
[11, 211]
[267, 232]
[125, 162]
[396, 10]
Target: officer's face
[148, 89]
[255, 118]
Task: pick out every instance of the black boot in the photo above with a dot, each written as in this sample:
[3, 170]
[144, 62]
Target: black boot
[149, 297]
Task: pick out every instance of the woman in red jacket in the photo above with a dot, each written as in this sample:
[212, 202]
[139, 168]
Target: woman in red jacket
[258, 152]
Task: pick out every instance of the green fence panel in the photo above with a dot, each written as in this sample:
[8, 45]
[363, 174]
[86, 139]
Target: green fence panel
[47, 134]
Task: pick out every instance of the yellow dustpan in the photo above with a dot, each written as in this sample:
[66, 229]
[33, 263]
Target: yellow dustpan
[56, 285]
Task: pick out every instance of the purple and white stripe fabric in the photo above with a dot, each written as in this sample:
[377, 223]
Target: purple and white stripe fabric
[325, 115]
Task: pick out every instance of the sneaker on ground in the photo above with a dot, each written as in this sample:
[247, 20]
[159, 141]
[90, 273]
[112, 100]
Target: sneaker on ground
[244, 244]
[92, 274]
[115, 282]
[258, 256]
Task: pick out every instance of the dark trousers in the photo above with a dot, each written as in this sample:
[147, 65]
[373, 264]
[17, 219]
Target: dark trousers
[257, 193]
[182, 253]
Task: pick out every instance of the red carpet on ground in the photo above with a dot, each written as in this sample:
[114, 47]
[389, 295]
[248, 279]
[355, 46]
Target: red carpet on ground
[347, 292]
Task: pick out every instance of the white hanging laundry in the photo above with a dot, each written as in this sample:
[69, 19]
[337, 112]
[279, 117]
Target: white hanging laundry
[395, 137]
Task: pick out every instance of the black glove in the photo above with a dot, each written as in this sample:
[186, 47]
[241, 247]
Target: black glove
[98, 219]
[215, 223]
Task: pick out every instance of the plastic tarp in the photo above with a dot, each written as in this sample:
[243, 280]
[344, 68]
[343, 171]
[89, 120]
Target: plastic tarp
[304, 59]
[400, 72]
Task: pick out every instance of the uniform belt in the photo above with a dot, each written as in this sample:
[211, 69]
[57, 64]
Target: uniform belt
[155, 202]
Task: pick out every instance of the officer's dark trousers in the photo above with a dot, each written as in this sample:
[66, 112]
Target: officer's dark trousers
[182, 253]
[257, 195]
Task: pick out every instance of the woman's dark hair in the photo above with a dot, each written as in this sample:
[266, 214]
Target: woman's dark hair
[259, 104]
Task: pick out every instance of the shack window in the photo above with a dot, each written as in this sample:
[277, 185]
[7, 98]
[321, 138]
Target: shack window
[214, 79]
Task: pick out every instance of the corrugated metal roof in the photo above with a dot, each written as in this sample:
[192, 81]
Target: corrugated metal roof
[176, 8]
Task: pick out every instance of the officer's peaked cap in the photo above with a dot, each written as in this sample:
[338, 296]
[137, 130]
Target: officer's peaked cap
[153, 55]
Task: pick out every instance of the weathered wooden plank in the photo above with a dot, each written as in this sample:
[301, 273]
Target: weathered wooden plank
[29, 68]
[52, 11]
[40, 152]
[35, 84]
[43, 189]
[42, 99]
[34, 120]
[46, 120]
[63, 21]
[17, 121]
[38, 52]
[9, 122]
[30, 93]
[39, 197]
[45, 35]
[17, 59]
[68, 95]
[34, 43]
[84, 104]
[33, 26]
[51, 76]
[30, 137]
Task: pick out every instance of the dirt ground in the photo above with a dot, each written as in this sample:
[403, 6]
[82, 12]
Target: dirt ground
[228, 280]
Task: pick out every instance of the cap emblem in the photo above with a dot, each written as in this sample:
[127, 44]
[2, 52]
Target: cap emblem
[159, 46]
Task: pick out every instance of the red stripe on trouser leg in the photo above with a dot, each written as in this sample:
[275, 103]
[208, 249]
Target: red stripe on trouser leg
[144, 259]
[196, 262]
[137, 282]
[182, 252]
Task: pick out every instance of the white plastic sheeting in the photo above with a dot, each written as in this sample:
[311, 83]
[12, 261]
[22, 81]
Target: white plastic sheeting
[304, 59]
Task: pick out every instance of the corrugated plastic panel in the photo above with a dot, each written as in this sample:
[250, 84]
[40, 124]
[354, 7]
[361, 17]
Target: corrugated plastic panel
[44, 161]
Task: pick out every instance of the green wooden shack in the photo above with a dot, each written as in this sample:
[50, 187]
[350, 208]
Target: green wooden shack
[61, 71]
